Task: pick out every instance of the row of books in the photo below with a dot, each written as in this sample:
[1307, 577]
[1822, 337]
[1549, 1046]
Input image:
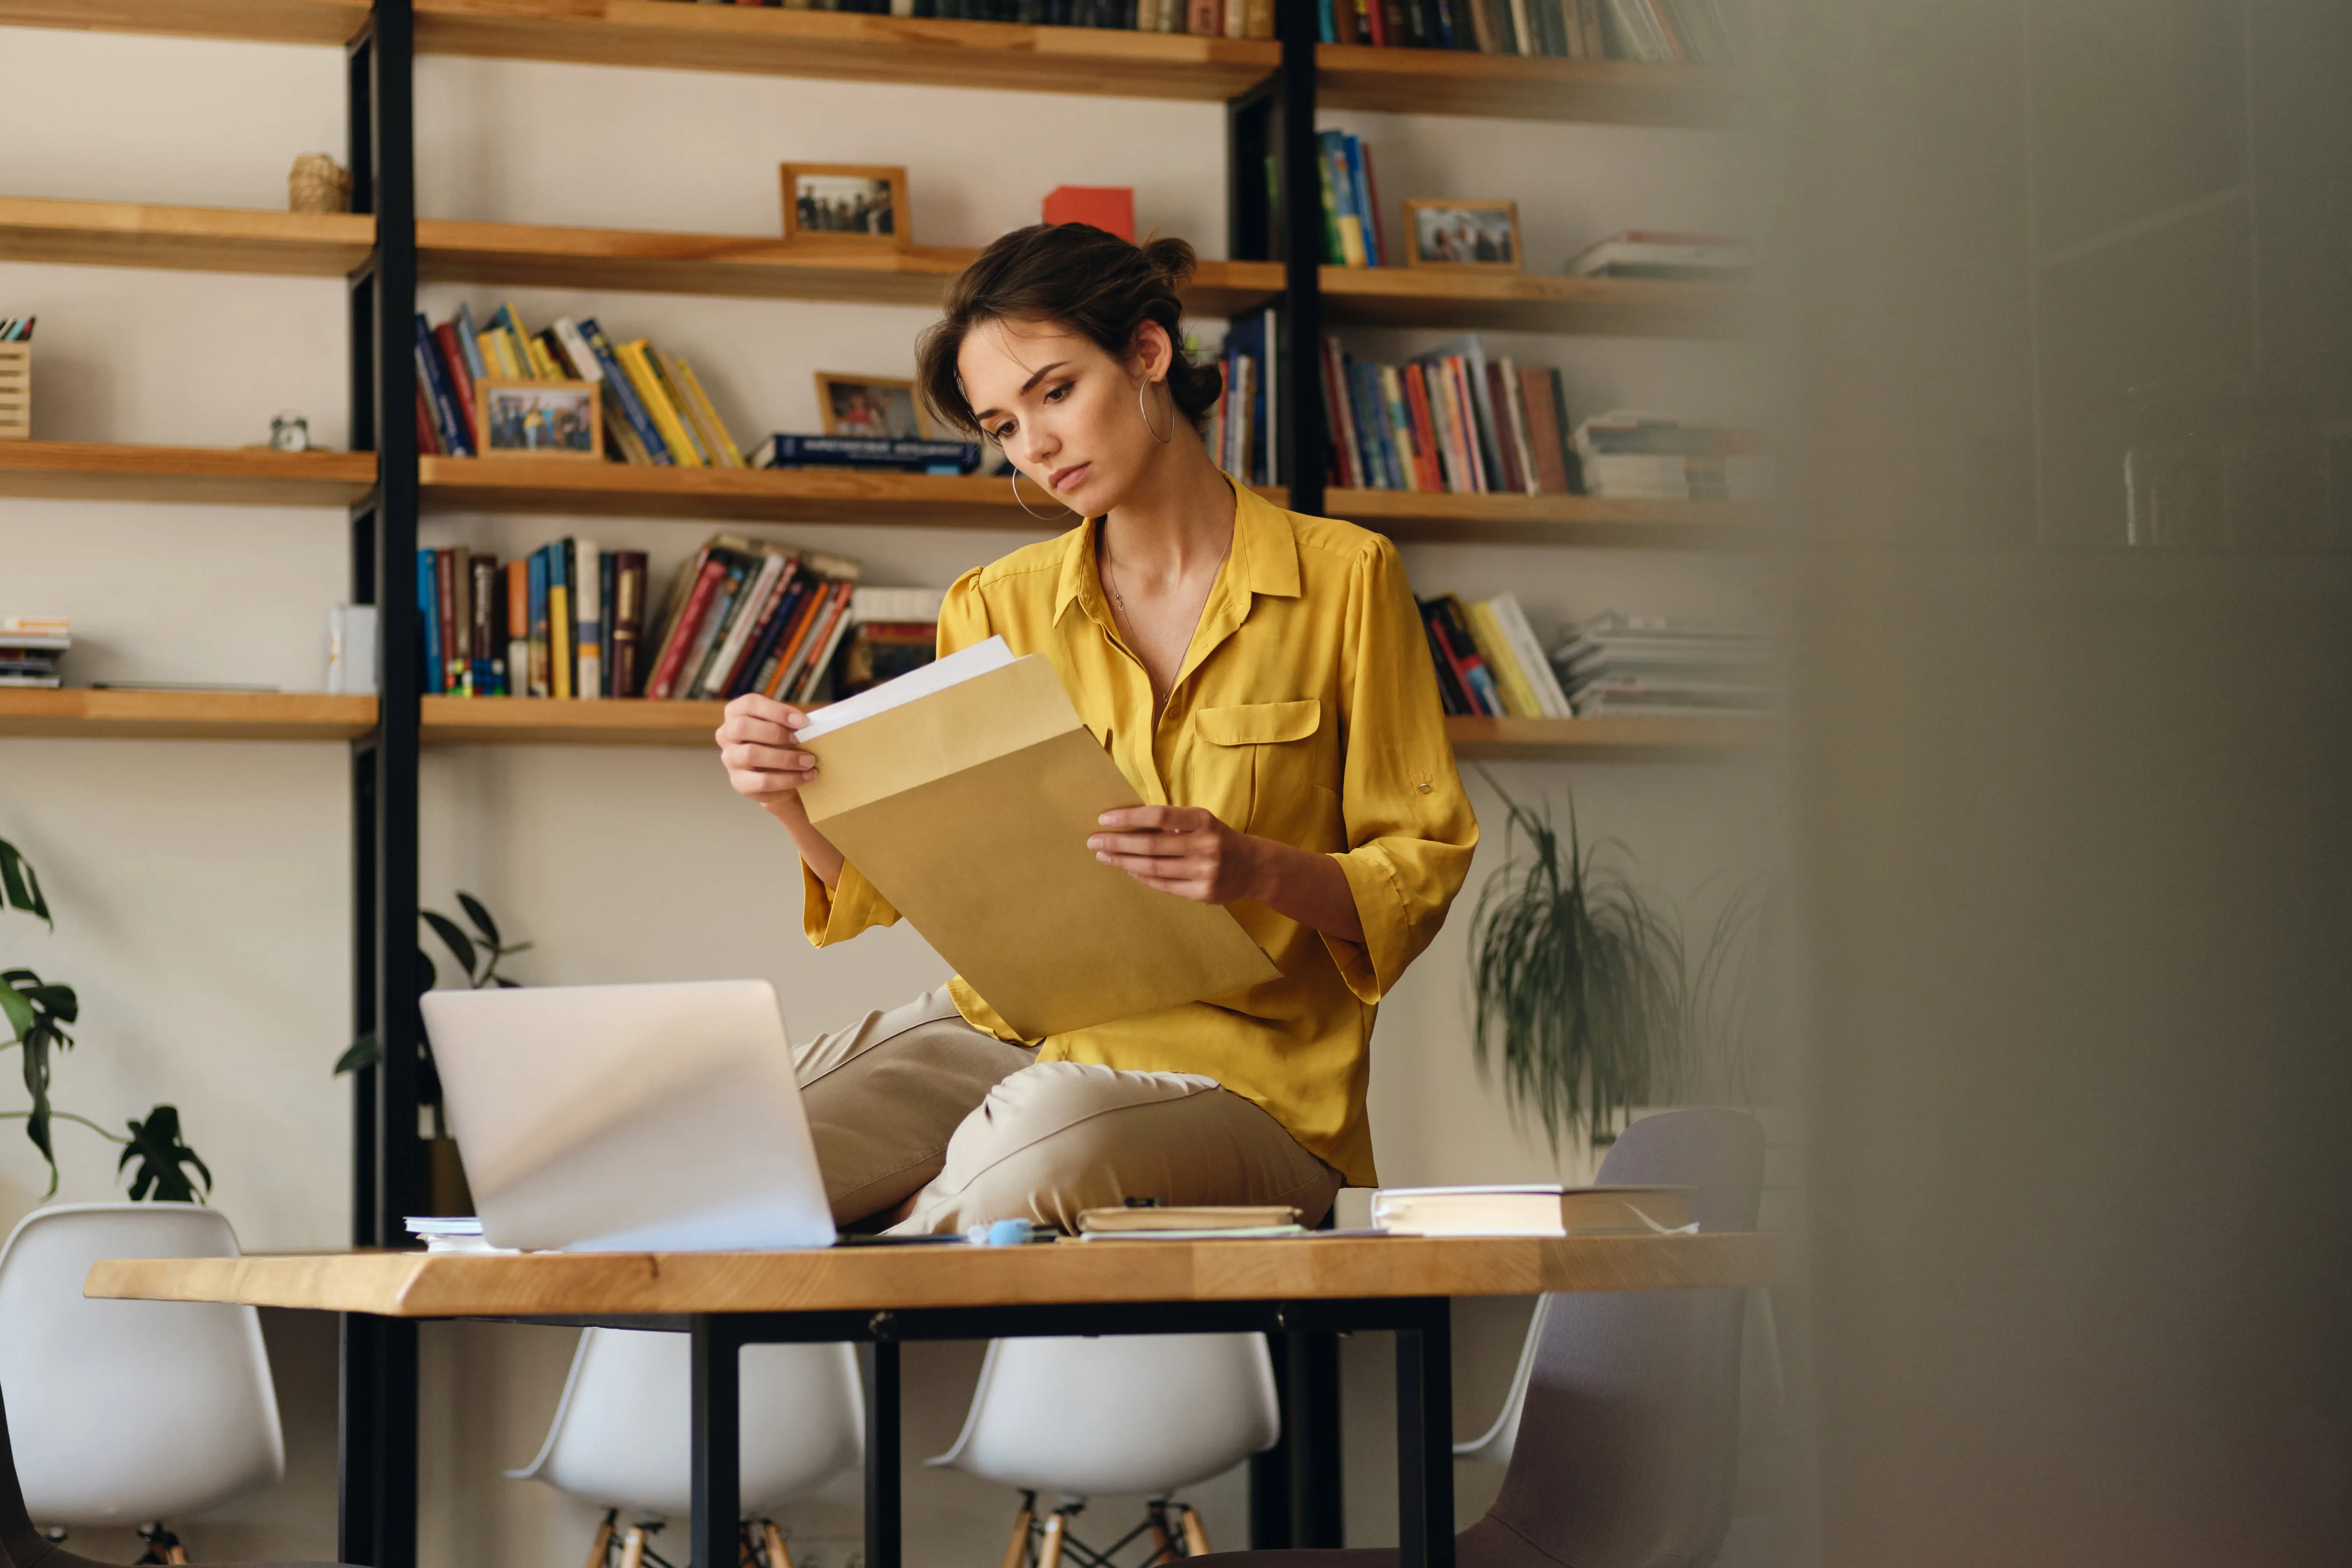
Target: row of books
[1353, 235]
[1649, 456]
[1660, 32]
[654, 407]
[568, 620]
[1208, 19]
[1647, 668]
[1448, 421]
[1244, 426]
[30, 647]
[17, 329]
[1490, 662]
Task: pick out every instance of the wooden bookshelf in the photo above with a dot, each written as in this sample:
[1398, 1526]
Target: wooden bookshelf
[1528, 302]
[209, 476]
[266, 21]
[1542, 519]
[1514, 87]
[1664, 739]
[848, 46]
[744, 267]
[742, 494]
[80, 714]
[187, 239]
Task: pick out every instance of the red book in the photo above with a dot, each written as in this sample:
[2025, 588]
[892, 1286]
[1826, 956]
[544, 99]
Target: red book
[1205, 18]
[689, 619]
[428, 440]
[1336, 417]
[795, 637]
[1368, 27]
[1424, 430]
[461, 379]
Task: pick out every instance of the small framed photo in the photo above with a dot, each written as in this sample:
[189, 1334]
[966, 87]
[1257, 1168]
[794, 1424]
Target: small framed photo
[1464, 234]
[870, 406]
[854, 207]
[538, 419]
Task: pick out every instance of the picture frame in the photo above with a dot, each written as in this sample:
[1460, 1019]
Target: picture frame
[1463, 236]
[539, 419]
[879, 406]
[846, 207]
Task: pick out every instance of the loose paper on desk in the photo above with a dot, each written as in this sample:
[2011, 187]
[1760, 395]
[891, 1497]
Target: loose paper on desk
[968, 798]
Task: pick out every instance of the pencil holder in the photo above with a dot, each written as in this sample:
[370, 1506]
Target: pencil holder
[16, 392]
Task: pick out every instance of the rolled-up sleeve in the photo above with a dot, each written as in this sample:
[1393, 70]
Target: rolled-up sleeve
[1411, 832]
[829, 915]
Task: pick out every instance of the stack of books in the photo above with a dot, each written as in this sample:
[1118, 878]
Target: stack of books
[891, 632]
[1489, 662]
[1447, 421]
[1649, 456]
[745, 616]
[1243, 429]
[30, 647]
[1353, 235]
[1633, 667]
[1661, 32]
[1661, 255]
[655, 409]
[887, 454]
[17, 329]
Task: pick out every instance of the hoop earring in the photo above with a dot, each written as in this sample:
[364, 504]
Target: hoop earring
[1140, 407]
[1041, 517]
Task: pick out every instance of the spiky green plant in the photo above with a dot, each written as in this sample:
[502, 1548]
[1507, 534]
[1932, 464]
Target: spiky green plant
[1579, 982]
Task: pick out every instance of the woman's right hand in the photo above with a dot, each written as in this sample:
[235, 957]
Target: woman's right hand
[756, 743]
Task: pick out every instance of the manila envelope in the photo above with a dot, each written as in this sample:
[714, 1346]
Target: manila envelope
[970, 809]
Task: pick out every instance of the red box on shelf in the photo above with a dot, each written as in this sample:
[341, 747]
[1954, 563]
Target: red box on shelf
[1107, 208]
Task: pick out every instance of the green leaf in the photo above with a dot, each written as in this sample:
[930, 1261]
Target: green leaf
[362, 1053]
[481, 918]
[19, 887]
[18, 1012]
[453, 939]
[39, 1012]
[155, 1143]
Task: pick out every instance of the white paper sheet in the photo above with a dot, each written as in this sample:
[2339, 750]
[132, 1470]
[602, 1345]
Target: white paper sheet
[937, 676]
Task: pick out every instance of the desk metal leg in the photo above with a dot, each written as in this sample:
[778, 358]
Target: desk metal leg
[717, 1473]
[1425, 1378]
[882, 1545]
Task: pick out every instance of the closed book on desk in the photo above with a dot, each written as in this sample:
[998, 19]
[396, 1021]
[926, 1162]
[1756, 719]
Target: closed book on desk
[1531, 1210]
[965, 792]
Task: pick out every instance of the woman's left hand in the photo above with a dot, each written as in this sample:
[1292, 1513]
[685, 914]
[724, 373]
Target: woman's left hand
[1180, 849]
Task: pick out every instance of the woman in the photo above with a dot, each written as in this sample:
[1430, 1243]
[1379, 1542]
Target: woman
[1262, 678]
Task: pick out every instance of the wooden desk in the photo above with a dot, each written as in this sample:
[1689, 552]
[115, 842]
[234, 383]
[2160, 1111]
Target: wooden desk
[884, 1296]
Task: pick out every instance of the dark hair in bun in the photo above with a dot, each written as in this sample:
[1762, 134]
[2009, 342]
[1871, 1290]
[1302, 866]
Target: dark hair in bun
[1079, 276]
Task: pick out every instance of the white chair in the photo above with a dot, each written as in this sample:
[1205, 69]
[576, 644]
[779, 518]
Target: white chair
[620, 1436]
[1494, 1445]
[1080, 1417]
[147, 1411]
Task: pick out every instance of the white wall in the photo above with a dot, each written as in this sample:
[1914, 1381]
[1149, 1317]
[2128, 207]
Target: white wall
[203, 891]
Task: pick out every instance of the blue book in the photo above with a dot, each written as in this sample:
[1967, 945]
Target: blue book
[617, 386]
[457, 438]
[872, 451]
[428, 617]
[1368, 430]
[608, 603]
[534, 680]
[467, 334]
[1324, 23]
[1376, 409]
[1361, 185]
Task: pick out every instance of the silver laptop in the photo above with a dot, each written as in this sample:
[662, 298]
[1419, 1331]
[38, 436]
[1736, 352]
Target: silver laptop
[629, 1118]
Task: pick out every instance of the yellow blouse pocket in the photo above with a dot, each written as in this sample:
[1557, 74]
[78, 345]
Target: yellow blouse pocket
[1276, 778]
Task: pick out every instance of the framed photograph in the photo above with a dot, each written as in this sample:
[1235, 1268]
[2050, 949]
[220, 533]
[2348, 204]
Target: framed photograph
[854, 207]
[1464, 234]
[538, 419]
[870, 406]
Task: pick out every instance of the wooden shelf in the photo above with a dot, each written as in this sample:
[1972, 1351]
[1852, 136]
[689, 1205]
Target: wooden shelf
[187, 239]
[849, 46]
[743, 267]
[1512, 86]
[742, 495]
[567, 722]
[1541, 519]
[184, 715]
[1528, 302]
[268, 21]
[1600, 738]
[212, 476]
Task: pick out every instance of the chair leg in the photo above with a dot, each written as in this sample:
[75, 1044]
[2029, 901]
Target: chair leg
[1196, 1535]
[1050, 1556]
[162, 1546]
[633, 1547]
[1016, 1551]
[1163, 1545]
[600, 1554]
[778, 1557]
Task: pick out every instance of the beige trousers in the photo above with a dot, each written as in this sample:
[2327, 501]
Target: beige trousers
[915, 1101]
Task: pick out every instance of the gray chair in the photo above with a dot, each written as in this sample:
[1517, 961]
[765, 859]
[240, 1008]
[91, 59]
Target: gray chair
[1629, 1442]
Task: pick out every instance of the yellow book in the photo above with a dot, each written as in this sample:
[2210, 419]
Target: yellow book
[640, 372]
[731, 454]
[660, 362]
[1496, 650]
[542, 363]
[559, 641]
[492, 345]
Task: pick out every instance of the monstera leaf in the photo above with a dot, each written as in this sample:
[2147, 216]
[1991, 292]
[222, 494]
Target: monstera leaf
[19, 889]
[38, 1013]
[156, 1144]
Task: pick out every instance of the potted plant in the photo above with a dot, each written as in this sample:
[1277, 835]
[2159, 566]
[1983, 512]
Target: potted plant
[478, 955]
[37, 1013]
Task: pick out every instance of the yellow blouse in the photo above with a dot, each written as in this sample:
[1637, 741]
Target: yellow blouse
[1306, 710]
